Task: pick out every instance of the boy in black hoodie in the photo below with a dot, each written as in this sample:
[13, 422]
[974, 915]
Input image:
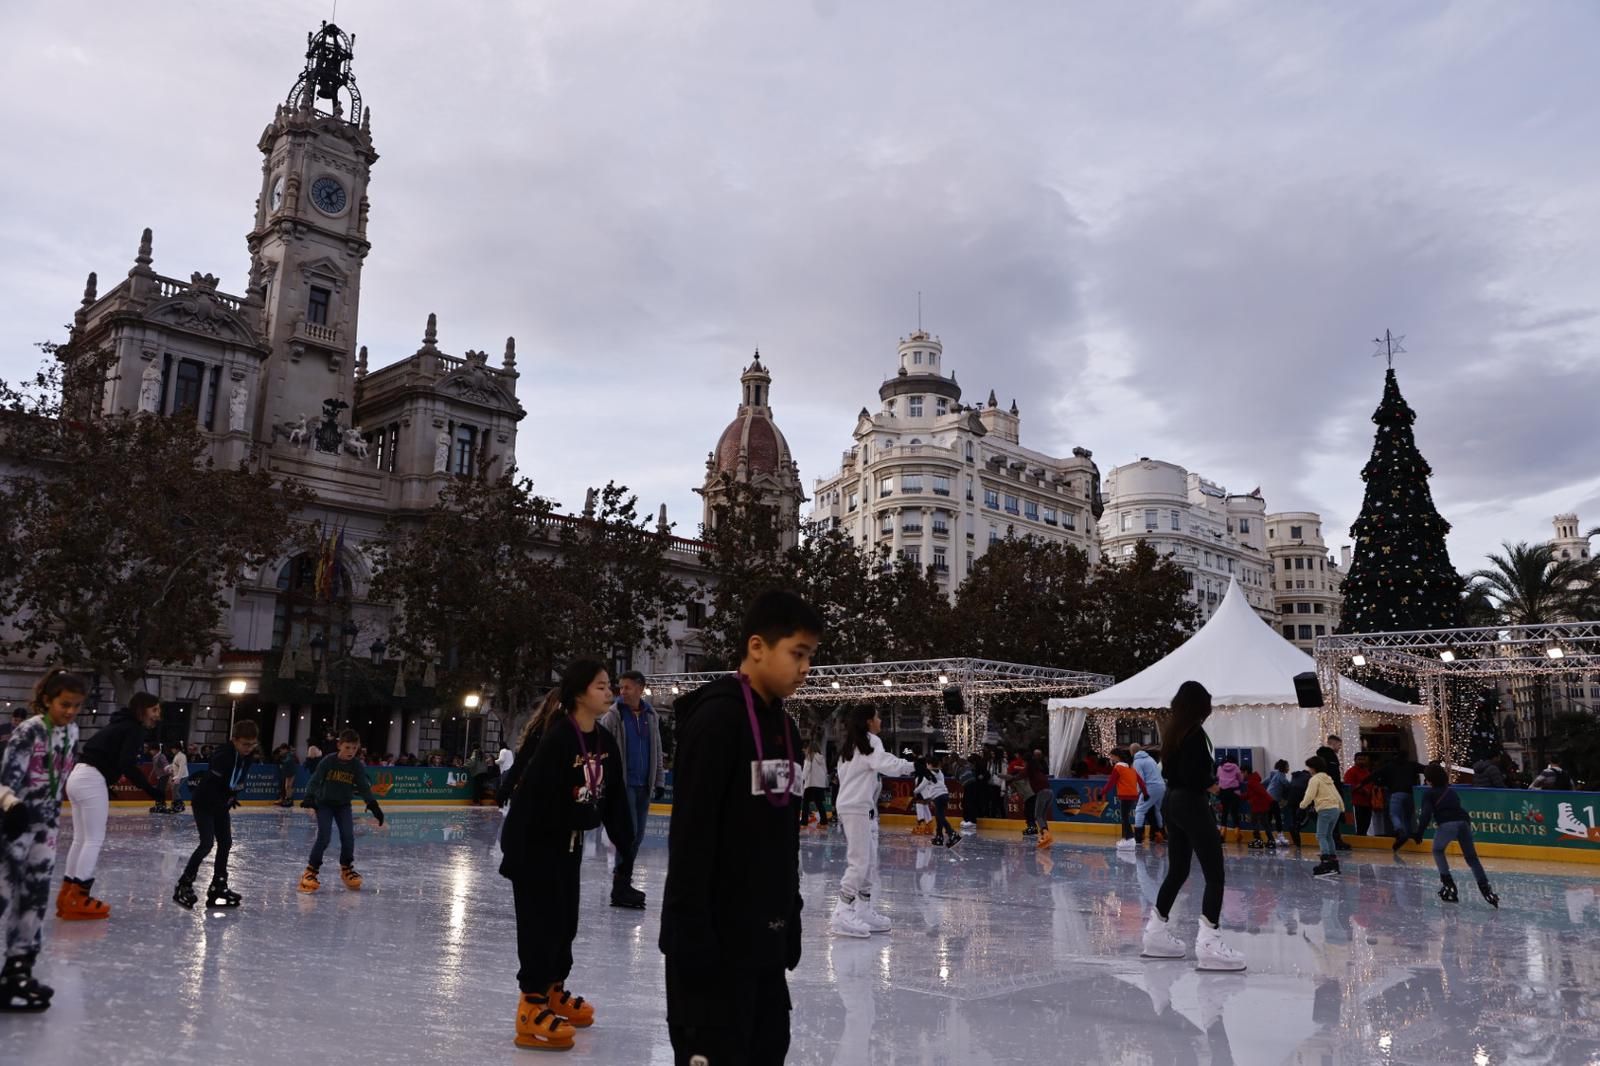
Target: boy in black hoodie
[214, 794]
[730, 920]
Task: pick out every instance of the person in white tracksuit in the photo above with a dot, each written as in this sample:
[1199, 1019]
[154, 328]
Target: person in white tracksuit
[861, 760]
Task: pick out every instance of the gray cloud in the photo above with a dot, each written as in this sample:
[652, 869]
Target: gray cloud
[1163, 233]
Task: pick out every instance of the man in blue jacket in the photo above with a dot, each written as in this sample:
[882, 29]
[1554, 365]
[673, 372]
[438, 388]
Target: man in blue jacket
[636, 727]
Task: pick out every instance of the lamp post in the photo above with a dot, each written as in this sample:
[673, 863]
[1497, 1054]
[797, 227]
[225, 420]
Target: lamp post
[236, 688]
[319, 650]
[469, 704]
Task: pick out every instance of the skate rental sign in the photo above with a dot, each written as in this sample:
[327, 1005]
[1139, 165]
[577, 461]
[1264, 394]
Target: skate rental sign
[1531, 817]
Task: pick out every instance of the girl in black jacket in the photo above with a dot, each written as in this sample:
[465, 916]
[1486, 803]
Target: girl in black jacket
[110, 754]
[573, 783]
[1189, 766]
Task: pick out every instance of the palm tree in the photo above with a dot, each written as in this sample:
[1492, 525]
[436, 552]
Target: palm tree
[1529, 586]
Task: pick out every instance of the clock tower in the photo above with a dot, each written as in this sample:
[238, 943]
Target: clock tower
[310, 236]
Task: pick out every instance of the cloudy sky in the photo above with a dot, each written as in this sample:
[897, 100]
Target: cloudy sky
[1166, 229]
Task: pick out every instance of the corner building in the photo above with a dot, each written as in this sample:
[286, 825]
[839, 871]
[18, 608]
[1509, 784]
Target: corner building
[937, 481]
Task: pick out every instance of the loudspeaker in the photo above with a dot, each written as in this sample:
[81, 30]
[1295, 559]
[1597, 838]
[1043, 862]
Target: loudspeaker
[1307, 689]
[954, 703]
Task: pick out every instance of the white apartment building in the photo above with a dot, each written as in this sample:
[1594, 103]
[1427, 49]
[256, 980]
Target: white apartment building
[1215, 536]
[938, 481]
[1306, 582]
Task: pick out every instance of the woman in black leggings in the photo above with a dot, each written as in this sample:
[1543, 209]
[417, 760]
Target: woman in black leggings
[1189, 767]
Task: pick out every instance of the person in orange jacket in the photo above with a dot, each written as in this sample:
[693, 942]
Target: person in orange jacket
[1125, 783]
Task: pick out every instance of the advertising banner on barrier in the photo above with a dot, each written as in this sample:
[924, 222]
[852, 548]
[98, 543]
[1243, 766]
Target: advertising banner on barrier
[434, 784]
[1077, 800]
[1531, 816]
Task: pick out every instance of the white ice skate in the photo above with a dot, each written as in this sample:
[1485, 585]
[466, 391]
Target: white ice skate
[1159, 943]
[1126, 844]
[1211, 953]
[871, 917]
[844, 922]
[1567, 823]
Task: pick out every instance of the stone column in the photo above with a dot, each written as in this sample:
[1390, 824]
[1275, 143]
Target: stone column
[395, 721]
[413, 733]
[281, 723]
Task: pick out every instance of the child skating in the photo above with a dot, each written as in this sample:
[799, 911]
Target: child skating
[1128, 788]
[33, 781]
[213, 795]
[574, 783]
[861, 760]
[936, 794]
[339, 777]
[1442, 806]
[1323, 796]
[108, 756]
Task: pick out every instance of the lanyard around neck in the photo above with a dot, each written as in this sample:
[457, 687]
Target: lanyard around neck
[780, 798]
[591, 772]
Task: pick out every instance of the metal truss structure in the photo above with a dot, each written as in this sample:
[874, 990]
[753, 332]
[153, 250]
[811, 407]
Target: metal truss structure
[978, 681]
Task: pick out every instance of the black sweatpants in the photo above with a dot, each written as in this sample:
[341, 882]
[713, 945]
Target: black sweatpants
[547, 920]
[1191, 832]
[727, 1018]
[941, 823]
[215, 828]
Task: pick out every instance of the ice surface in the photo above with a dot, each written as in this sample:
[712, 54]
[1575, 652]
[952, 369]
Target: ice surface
[999, 955]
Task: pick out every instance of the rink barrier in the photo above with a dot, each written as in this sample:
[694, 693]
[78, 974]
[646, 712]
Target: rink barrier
[402, 785]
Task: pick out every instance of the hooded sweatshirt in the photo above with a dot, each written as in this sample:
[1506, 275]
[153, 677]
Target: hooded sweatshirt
[932, 787]
[114, 751]
[732, 897]
[1228, 777]
[858, 777]
[1149, 771]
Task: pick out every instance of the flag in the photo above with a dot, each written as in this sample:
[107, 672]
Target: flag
[336, 565]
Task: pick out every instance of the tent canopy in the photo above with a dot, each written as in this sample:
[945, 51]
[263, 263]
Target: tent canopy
[1246, 666]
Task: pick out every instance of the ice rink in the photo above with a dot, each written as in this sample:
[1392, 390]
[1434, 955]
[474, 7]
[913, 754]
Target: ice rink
[999, 954]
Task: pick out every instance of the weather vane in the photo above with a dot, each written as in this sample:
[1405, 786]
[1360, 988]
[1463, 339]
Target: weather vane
[1388, 345]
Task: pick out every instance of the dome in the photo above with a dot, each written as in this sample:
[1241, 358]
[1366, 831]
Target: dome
[761, 442]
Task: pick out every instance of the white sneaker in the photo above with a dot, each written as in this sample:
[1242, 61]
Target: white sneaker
[869, 917]
[1211, 953]
[1126, 844]
[969, 825]
[1159, 943]
[844, 923]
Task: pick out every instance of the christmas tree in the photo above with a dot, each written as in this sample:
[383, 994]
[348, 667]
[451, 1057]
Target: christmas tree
[1400, 576]
[1484, 743]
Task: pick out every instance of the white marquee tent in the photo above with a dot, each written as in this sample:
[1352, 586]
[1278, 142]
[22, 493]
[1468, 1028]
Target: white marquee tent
[1249, 670]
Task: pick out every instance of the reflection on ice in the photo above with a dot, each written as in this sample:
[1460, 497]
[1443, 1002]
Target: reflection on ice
[1000, 954]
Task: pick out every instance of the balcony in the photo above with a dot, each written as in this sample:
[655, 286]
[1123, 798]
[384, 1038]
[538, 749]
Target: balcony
[941, 531]
[911, 529]
[942, 492]
[1014, 510]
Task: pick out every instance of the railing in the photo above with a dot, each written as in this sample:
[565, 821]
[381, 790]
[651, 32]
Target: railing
[318, 332]
[449, 363]
[167, 288]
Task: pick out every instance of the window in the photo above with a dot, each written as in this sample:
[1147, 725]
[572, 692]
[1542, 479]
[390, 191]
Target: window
[209, 407]
[1049, 516]
[1176, 518]
[911, 483]
[914, 407]
[317, 306]
[1316, 608]
[1305, 632]
[911, 522]
[1230, 566]
[697, 615]
[941, 485]
[855, 500]
[1030, 509]
[991, 499]
[1271, 532]
[885, 487]
[886, 525]
[1322, 631]
[994, 534]
[1288, 632]
[1011, 505]
[186, 394]
[1150, 521]
[1208, 558]
[941, 406]
[1302, 608]
[1299, 564]
[1296, 532]
[1299, 584]
[969, 488]
[969, 562]
[695, 663]
[1069, 520]
[466, 449]
[939, 563]
[916, 357]
[912, 555]
[1127, 521]
[1286, 564]
[969, 451]
[1244, 525]
[940, 524]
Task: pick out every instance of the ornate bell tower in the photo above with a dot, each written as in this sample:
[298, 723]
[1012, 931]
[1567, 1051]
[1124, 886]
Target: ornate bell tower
[310, 236]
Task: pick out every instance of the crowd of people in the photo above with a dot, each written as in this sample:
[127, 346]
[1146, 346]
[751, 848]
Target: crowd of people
[744, 783]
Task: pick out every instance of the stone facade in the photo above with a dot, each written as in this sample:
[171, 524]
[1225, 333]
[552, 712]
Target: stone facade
[938, 481]
[1216, 536]
[1306, 582]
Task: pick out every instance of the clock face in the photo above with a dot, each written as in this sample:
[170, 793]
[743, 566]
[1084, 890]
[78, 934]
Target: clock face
[277, 193]
[328, 195]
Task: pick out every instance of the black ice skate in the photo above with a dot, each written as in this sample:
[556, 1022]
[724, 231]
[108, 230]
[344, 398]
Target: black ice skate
[19, 989]
[1447, 890]
[219, 895]
[1488, 895]
[184, 895]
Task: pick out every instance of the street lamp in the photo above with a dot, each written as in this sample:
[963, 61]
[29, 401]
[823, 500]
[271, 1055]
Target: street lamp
[236, 688]
[470, 704]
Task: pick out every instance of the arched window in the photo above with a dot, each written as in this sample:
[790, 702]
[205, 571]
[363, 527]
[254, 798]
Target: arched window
[300, 612]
